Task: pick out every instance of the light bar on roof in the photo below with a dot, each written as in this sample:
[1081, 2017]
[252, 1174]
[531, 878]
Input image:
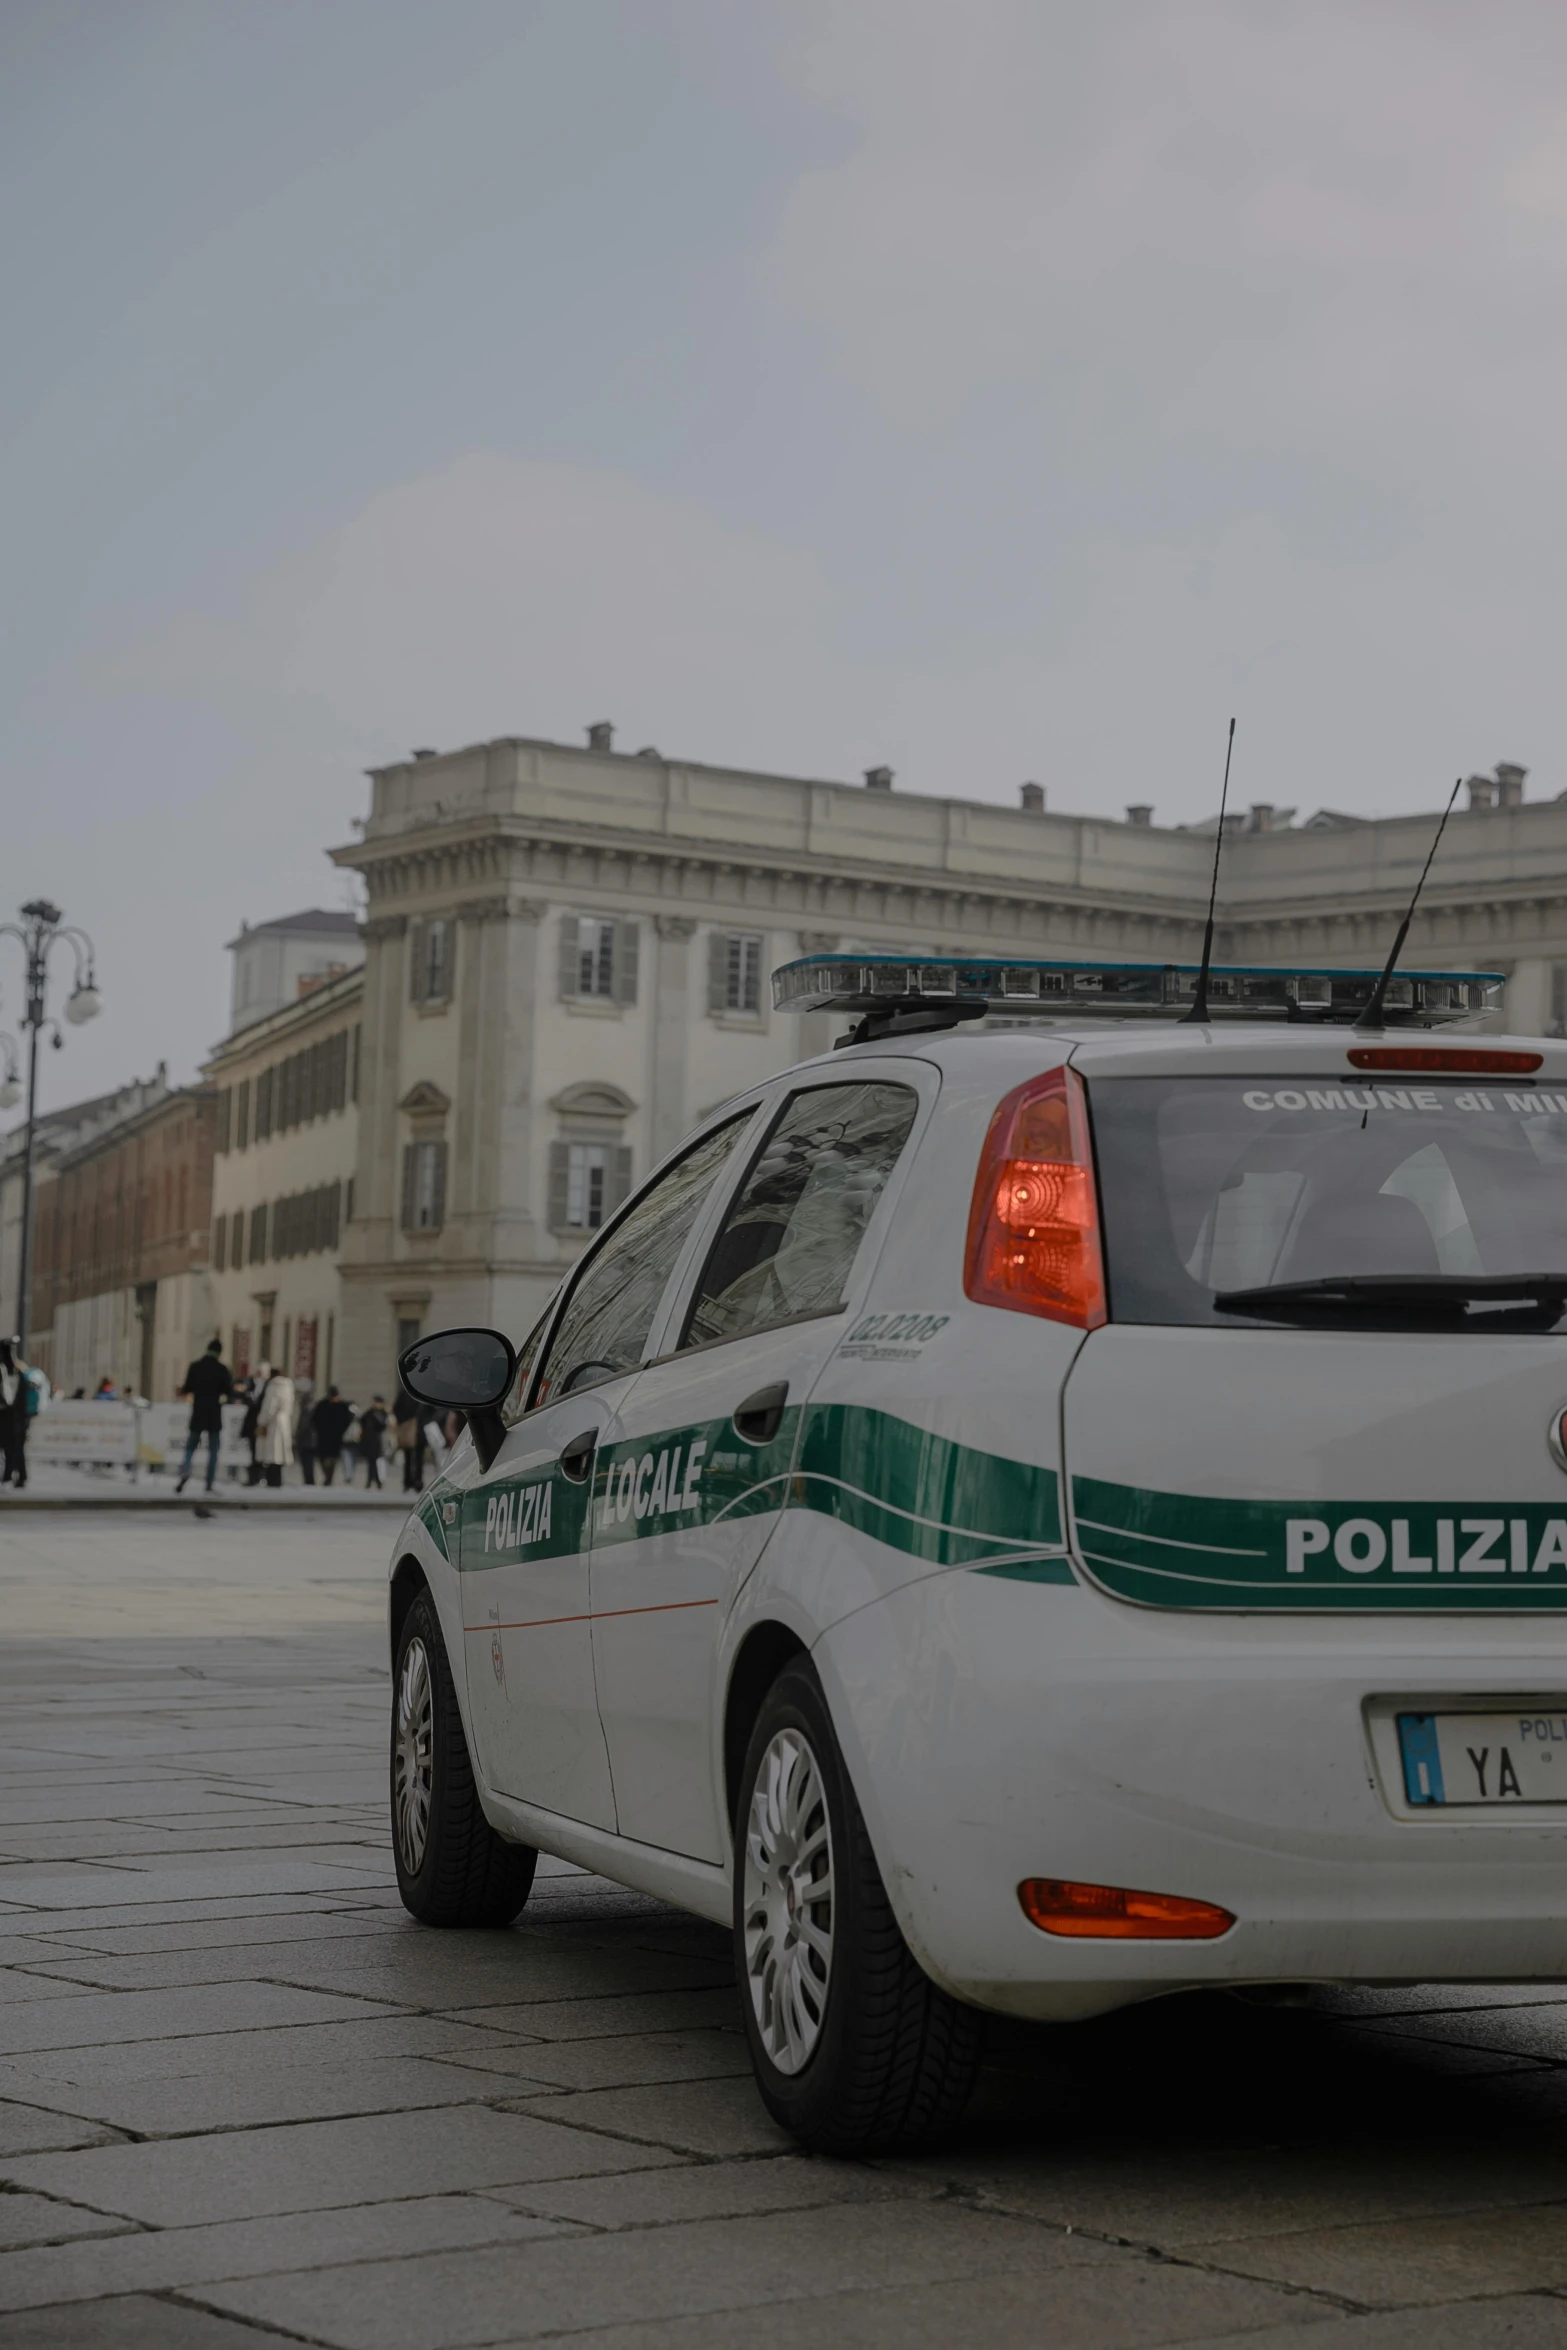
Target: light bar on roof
[1054, 988]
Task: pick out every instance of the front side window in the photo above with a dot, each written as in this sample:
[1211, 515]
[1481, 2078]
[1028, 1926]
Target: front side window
[609, 1314]
[789, 1241]
[1212, 1188]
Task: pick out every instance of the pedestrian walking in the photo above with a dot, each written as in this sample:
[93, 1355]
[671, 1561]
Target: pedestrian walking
[252, 1390]
[275, 1427]
[328, 1427]
[410, 1439]
[16, 1409]
[210, 1385]
[304, 1431]
[372, 1437]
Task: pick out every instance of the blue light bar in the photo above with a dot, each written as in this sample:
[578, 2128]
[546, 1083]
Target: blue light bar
[1052, 988]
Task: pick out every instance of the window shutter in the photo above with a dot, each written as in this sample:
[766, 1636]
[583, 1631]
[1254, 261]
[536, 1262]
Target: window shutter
[242, 1113]
[617, 1185]
[442, 960]
[408, 1186]
[416, 962]
[626, 936]
[333, 1214]
[718, 972]
[438, 1185]
[560, 1168]
[353, 1089]
[569, 973]
[219, 1237]
[225, 1112]
[237, 1239]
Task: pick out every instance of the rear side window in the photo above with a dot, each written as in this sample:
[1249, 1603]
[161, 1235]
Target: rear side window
[788, 1244]
[1210, 1186]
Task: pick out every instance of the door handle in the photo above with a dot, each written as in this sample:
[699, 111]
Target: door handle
[576, 1458]
[760, 1417]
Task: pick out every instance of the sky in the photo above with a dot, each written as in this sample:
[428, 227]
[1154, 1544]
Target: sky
[993, 389]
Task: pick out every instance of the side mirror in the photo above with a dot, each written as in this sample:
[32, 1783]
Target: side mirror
[465, 1371]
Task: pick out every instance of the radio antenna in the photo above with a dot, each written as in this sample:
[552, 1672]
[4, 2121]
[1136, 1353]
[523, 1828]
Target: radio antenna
[1199, 1010]
[1371, 1017]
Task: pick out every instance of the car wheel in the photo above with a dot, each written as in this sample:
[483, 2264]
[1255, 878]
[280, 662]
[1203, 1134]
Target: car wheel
[856, 2050]
[452, 1868]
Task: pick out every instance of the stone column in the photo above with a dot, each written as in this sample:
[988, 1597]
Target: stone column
[369, 1241]
[668, 1113]
[508, 1185]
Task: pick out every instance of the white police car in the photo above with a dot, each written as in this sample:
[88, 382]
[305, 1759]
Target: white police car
[1027, 1519]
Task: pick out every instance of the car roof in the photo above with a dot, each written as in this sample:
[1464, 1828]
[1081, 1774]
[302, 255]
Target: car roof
[1151, 1048]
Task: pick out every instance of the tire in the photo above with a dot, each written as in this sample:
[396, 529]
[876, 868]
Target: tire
[452, 1868]
[856, 2050]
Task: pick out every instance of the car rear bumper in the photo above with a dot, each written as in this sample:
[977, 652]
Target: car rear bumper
[998, 1730]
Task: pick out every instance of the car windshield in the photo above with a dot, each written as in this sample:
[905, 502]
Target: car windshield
[1214, 1187]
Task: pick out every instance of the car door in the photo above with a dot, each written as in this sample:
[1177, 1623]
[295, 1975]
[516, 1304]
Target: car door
[525, 1521]
[692, 1483]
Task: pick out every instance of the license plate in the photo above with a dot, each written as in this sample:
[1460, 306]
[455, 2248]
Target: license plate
[1475, 1758]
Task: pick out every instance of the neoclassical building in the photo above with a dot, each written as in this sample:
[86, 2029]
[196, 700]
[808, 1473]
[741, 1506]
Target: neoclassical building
[567, 954]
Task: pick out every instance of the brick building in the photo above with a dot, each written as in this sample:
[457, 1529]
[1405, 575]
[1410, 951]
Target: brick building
[122, 1261]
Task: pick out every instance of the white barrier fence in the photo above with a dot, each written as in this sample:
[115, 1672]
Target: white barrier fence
[127, 1435]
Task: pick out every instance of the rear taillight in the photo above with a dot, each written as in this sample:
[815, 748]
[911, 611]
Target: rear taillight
[1033, 1228]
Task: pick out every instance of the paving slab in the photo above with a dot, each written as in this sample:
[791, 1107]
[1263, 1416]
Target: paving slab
[246, 2099]
[164, 2259]
[715, 2190]
[139, 2322]
[248, 2174]
[1456, 2257]
[32, 2129]
[100, 2019]
[722, 2117]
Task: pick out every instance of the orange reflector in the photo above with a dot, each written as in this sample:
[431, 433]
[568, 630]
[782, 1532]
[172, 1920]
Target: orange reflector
[1459, 1059]
[1109, 1912]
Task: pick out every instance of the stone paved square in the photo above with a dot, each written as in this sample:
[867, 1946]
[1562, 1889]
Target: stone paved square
[244, 2099]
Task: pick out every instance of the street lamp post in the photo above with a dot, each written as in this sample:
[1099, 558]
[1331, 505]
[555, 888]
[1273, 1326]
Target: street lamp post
[40, 931]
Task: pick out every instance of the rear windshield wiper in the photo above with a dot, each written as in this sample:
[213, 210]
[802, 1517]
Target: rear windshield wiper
[1452, 1301]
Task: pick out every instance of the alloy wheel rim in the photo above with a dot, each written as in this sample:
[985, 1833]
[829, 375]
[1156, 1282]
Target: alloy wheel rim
[411, 1758]
[789, 1904]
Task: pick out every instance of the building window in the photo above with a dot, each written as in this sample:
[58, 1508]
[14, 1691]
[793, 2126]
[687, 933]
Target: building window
[220, 1138]
[430, 972]
[598, 959]
[264, 1090]
[220, 1234]
[242, 1114]
[1558, 1021]
[424, 1186]
[588, 1181]
[258, 1233]
[734, 971]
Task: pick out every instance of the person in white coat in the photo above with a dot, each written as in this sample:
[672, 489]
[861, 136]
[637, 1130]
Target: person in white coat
[275, 1427]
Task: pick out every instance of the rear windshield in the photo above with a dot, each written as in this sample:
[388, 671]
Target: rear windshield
[1215, 1185]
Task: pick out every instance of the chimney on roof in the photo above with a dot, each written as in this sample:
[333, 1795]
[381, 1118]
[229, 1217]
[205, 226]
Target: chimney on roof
[1509, 784]
[878, 779]
[601, 736]
[1261, 817]
[1141, 815]
[1032, 796]
[1482, 793]
[424, 754]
